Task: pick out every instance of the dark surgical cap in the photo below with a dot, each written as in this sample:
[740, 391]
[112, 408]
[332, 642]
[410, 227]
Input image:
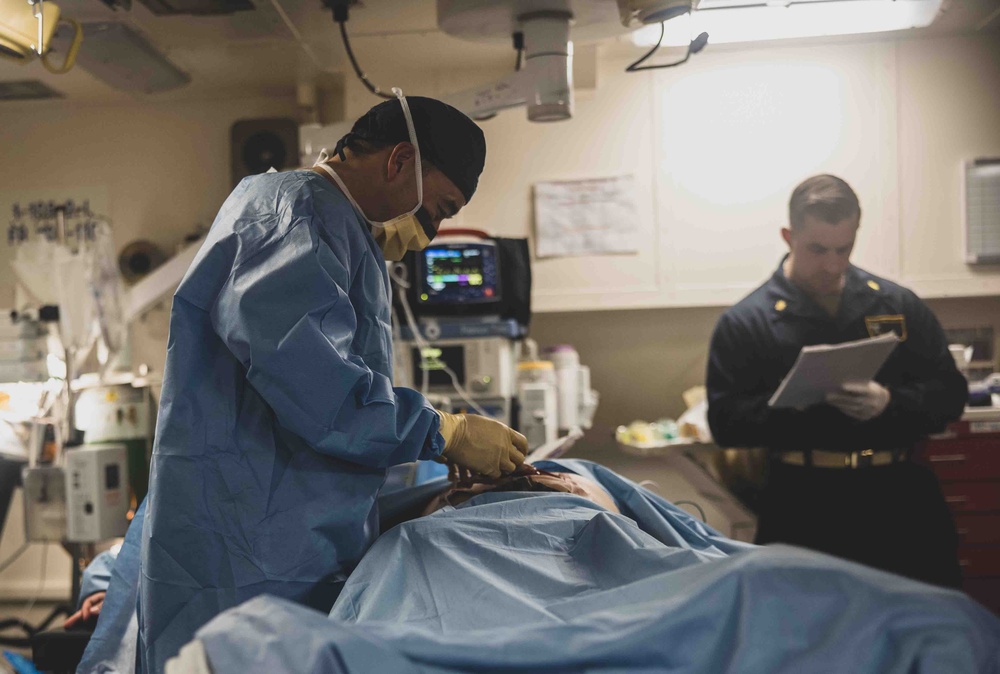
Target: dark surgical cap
[448, 138]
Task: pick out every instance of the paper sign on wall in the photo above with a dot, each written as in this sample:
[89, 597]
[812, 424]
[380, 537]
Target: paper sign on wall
[586, 217]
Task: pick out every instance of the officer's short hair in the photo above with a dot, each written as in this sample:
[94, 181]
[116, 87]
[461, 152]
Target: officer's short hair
[825, 197]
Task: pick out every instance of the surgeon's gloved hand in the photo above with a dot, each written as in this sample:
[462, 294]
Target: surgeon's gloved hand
[481, 445]
[861, 400]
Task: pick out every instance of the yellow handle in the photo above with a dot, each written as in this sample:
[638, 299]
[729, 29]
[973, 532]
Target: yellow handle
[74, 49]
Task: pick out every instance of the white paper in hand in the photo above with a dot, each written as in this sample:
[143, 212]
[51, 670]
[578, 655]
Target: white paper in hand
[825, 368]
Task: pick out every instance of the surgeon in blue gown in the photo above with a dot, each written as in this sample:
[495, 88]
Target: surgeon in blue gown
[278, 417]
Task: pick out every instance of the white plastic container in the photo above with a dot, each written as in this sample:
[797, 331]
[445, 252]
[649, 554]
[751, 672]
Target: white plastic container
[537, 393]
[567, 363]
[536, 372]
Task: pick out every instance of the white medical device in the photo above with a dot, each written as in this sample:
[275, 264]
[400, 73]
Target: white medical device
[97, 493]
[548, 28]
[481, 368]
[44, 504]
[539, 415]
[545, 83]
[484, 367]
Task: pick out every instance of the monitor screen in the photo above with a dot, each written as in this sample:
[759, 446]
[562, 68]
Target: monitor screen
[459, 274]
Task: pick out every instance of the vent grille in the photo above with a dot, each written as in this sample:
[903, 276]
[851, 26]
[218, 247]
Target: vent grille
[982, 211]
[123, 59]
[197, 7]
[27, 90]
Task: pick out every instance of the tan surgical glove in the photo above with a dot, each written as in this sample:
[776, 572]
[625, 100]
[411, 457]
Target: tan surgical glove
[861, 400]
[481, 445]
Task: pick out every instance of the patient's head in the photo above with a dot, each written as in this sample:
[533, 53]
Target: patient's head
[525, 478]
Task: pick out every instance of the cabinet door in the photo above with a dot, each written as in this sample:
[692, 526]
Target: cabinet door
[976, 529]
[970, 497]
[979, 561]
[964, 458]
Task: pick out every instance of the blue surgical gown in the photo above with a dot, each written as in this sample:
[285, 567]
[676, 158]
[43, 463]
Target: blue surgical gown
[278, 417]
[97, 575]
[114, 646]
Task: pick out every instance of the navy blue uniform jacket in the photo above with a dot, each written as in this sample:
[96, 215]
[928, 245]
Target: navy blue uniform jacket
[756, 342]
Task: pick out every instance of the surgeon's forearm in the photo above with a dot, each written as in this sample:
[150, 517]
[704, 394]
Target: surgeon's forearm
[380, 434]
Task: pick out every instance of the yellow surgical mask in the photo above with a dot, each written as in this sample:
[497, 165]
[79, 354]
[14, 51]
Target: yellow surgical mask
[401, 234]
[409, 231]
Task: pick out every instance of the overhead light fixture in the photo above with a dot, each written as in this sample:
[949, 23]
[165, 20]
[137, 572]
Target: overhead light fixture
[653, 11]
[26, 27]
[782, 21]
[26, 30]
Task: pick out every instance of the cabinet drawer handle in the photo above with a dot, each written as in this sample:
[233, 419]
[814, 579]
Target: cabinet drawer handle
[948, 458]
[963, 532]
[956, 499]
[964, 563]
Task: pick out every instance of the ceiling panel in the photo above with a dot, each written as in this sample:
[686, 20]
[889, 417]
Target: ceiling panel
[258, 53]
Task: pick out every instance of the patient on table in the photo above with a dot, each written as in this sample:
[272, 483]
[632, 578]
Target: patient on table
[567, 566]
[526, 478]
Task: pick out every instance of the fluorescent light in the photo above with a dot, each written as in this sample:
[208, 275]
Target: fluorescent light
[797, 20]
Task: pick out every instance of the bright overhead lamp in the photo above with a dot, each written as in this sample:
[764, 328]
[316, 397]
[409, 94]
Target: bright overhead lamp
[787, 20]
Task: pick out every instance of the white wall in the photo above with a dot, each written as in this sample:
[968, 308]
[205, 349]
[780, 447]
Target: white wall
[164, 167]
[957, 86]
[717, 145]
[641, 360]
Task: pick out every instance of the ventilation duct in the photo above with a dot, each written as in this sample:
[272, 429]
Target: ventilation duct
[27, 90]
[123, 59]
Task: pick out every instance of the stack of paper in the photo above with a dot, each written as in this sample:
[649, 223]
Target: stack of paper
[825, 368]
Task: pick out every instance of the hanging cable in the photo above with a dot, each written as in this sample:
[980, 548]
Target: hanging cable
[695, 46]
[397, 273]
[693, 505]
[340, 16]
[26, 627]
[29, 629]
[41, 582]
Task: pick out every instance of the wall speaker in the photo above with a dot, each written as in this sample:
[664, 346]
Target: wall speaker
[260, 144]
[139, 258]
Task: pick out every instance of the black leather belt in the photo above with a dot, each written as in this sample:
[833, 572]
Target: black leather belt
[820, 458]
